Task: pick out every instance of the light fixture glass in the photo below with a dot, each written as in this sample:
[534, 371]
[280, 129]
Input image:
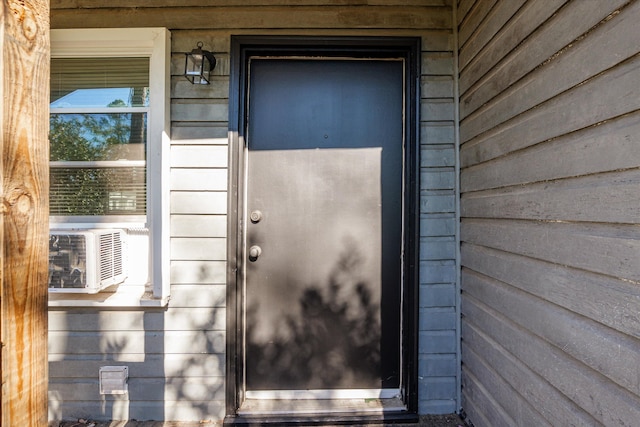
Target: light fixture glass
[198, 65]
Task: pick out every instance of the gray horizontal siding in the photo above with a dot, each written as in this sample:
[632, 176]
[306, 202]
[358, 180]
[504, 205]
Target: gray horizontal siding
[198, 207]
[549, 179]
[175, 358]
[260, 17]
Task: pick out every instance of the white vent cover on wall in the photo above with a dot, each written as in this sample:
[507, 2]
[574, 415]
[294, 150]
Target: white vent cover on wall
[85, 261]
[113, 379]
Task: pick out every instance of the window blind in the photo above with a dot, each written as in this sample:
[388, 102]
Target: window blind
[72, 74]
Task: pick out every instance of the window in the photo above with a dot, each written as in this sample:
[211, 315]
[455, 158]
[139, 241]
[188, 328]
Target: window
[98, 137]
[109, 127]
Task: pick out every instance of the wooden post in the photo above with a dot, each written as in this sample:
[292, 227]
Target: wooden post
[24, 116]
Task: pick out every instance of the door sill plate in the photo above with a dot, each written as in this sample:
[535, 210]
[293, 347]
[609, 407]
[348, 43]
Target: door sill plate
[366, 406]
[320, 394]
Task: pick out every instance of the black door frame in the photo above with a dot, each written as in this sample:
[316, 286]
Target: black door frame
[244, 47]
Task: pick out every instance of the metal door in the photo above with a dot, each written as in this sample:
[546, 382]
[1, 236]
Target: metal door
[323, 226]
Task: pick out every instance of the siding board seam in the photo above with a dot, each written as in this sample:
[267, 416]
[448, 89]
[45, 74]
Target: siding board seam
[574, 348]
[482, 80]
[486, 134]
[567, 266]
[611, 293]
[565, 361]
[620, 70]
[586, 34]
[470, 16]
[247, 5]
[592, 139]
[515, 86]
[497, 33]
[497, 189]
[562, 402]
[552, 139]
[484, 368]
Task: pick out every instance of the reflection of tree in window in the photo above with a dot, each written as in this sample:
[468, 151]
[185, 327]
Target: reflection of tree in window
[137, 129]
[92, 138]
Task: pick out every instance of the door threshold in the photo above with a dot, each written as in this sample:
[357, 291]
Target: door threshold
[324, 394]
[296, 407]
[321, 412]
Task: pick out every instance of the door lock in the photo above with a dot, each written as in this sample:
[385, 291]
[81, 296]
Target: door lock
[255, 216]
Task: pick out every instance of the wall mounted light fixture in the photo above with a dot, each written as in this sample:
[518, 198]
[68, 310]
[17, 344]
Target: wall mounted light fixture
[198, 65]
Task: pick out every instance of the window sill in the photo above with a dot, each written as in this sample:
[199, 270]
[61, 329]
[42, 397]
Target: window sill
[121, 297]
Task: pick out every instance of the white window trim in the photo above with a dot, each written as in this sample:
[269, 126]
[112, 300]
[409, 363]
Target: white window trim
[134, 42]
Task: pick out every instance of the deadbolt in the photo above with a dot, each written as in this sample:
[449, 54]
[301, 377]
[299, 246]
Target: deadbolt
[256, 216]
[254, 252]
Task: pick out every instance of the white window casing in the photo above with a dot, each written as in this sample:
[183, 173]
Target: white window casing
[154, 43]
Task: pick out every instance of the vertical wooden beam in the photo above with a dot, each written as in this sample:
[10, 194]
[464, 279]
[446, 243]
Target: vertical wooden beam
[24, 119]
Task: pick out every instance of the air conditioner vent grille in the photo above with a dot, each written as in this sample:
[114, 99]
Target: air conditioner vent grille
[110, 255]
[85, 261]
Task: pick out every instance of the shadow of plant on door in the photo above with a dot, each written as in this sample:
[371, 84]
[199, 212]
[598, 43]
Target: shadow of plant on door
[329, 339]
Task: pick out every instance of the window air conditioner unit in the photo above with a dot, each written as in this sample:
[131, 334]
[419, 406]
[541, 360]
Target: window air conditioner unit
[85, 261]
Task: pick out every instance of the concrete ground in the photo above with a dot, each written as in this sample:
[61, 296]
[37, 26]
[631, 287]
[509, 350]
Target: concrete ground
[452, 420]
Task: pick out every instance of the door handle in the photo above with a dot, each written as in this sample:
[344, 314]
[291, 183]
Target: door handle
[254, 252]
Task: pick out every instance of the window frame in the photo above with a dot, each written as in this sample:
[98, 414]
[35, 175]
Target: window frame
[154, 43]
